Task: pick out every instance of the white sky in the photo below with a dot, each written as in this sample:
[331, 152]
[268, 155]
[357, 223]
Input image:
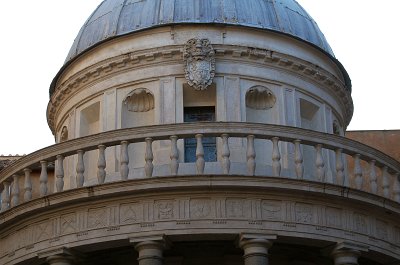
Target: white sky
[37, 35]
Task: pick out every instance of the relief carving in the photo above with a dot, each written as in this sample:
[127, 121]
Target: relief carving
[304, 213]
[200, 208]
[382, 230]
[235, 208]
[129, 213]
[397, 235]
[360, 223]
[271, 210]
[68, 224]
[139, 100]
[97, 218]
[165, 210]
[43, 231]
[199, 57]
[333, 217]
[260, 98]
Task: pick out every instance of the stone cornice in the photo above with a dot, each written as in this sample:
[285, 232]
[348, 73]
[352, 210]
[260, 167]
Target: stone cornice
[307, 200]
[173, 54]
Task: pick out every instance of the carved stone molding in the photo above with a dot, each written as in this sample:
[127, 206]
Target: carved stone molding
[199, 57]
[139, 100]
[260, 97]
[173, 55]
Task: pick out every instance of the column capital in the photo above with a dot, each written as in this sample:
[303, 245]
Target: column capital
[150, 249]
[60, 260]
[254, 238]
[255, 247]
[160, 241]
[347, 253]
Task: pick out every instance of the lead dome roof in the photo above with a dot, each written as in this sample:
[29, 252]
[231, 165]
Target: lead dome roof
[114, 18]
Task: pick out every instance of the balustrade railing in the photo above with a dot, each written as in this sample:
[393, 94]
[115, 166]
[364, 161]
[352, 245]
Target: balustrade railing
[365, 179]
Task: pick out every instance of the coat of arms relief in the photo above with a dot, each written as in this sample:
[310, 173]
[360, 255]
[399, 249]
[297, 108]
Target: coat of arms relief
[199, 59]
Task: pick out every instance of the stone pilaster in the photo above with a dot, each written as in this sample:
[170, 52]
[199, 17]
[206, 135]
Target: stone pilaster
[255, 247]
[150, 249]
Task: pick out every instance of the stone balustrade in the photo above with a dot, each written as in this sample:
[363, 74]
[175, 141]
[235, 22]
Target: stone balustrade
[371, 170]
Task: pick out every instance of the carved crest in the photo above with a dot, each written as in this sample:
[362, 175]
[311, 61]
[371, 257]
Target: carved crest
[199, 63]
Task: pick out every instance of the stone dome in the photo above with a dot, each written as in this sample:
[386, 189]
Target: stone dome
[114, 18]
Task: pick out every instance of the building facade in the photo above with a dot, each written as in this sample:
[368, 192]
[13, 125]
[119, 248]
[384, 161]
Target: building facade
[201, 132]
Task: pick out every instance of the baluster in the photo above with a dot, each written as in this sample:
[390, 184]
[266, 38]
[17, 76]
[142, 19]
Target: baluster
[319, 163]
[251, 156]
[5, 196]
[298, 159]
[339, 167]
[200, 163]
[358, 172]
[80, 169]
[27, 185]
[60, 173]
[276, 157]
[101, 164]
[226, 163]
[124, 160]
[148, 168]
[385, 182]
[396, 188]
[15, 191]
[43, 178]
[372, 177]
[174, 155]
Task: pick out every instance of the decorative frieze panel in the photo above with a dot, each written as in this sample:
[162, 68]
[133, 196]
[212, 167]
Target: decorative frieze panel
[272, 210]
[69, 224]
[305, 213]
[130, 213]
[334, 217]
[360, 223]
[201, 209]
[98, 218]
[382, 230]
[43, 231]
[164, 210]
[213, 212]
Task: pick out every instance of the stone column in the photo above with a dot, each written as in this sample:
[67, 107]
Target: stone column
[60, 260]
[346, 253]
[255, 247]
[150, 249]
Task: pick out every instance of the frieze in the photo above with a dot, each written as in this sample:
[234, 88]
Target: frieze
[333, 217]
[200, 208]
[360, 223]
[271, 210]
[68, 223]
[382, 230]
[97, 218]
[237, 209]
[164, 210]
[130, 213]
[304, 213]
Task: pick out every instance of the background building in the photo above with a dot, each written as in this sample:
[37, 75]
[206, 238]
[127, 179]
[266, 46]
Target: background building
[201, 132]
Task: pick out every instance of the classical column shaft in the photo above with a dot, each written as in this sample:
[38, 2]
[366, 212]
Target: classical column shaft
[255, 250]
[150, 252]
